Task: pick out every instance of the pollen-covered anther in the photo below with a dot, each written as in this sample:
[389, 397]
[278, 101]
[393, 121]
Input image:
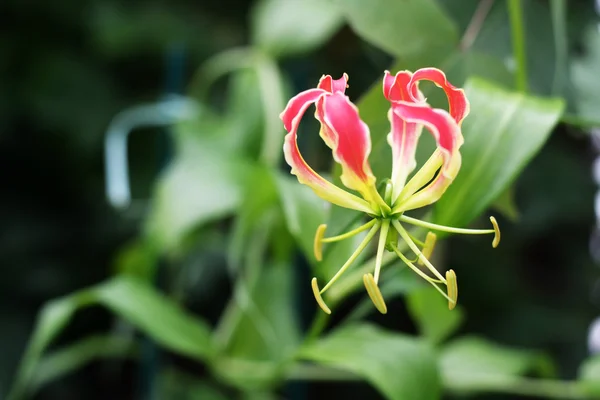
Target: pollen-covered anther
[428, 247]
[317, 293]
[374, 293]
[318, 243]
[496, 240]
[452, 289]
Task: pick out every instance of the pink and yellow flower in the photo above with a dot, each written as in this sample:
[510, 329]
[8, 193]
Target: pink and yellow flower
[349, 139]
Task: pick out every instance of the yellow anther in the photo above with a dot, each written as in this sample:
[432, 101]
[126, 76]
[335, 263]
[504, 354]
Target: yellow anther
[374, 293]
[428, 247]
[317, 293]
[496, 240]
[452, 289]
[318, 244]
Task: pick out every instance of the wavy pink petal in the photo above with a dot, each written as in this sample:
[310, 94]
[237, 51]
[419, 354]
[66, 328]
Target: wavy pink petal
[448, 136]
[291, 117]
[349, 139]
[457, 100]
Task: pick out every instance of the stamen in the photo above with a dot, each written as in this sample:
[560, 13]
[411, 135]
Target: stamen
[428, 246]
[374, 293]
[319, 240]
[354, 255]
[417, 241]
[383, 233]
[416, 250]
[496, 240]
[444, 228]
[318, 243]
[316, 292]
[349, 234]
[421, 273]
[452, 288]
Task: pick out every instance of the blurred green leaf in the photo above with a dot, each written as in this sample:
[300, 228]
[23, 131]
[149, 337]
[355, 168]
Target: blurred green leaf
[137, 258]
[402, 28]
[475, 63]
[52, 319]
[68, 359]
[195, 190]
[251, 215]
[173, 384]
[399, 366]
[244, 112]
[584, 74]
[304, 211]
[430, 312]
[468, 362]
[293, 26]
[505, 204]
[156, 315]
[267, 330]
[558, 10]
[502, 133]
[149, 311]
[589, 375]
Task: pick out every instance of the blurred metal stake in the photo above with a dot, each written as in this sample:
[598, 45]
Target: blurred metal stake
[163, 113]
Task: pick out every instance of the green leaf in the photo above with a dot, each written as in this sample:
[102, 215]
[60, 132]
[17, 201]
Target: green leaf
[558, 9]
[53, 317]
[137, 258]
[399, 366]
[469, 361]
[155, 315]
[589, 375]
[149, 311]
[502, 133]
[174, 384]
[430, 311]
[251, 216]
[584, 74]
[402, 28]
[266, 330]
[505, 204]
[70, 358]
[304, 211]
[293, 26]
[193, 191]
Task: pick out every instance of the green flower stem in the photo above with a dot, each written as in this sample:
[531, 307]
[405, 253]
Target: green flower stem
[515, 12]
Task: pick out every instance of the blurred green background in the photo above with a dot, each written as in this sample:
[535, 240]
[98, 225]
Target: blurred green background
[212, 204]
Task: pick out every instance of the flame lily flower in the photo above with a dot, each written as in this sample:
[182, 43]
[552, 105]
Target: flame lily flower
[349, 139]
